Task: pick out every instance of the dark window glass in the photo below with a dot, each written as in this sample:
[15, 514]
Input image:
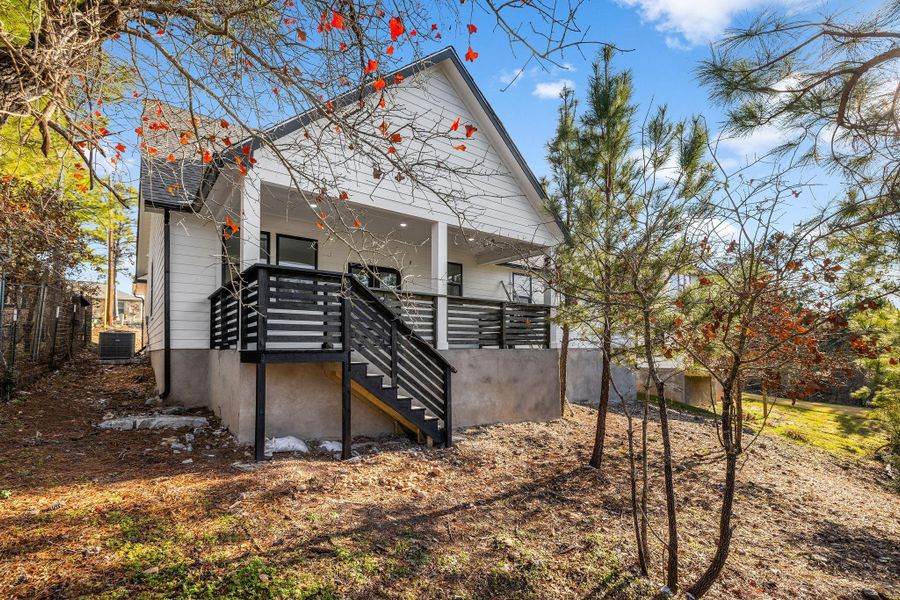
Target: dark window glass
[264, 247]
[454, 279]
[231, 256]
[522, 288]
[293, 251]
[376, 277]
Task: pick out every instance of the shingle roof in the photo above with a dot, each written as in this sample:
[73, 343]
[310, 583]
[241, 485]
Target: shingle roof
[166, 184]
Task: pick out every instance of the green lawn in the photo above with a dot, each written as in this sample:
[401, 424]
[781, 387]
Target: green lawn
[839, 429]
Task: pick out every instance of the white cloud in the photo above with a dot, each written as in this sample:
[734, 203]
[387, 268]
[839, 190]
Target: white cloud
[757, 144]
[691, 22]
[511, 78]
[551, 90]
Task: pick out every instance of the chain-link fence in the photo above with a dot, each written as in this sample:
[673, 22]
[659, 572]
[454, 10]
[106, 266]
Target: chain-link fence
[41, 326]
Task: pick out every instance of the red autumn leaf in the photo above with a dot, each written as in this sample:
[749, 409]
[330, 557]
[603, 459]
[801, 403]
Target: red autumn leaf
[470, 130]
[343, 46]
[390, 49]
[171, 158]
[455, 125]
[396, 138]
[344, 196]
[461, 147]
[323, 215]
[434, 26]
[246, 149]
[398, 78]
[379, 85]
[705, 281]
[139, 131]
[413, 32]
[223, 123]
[226, 140]
[372, 66]
[320, 224]
[397, 28]
[120, 147]
[383, 127]
[472, 28]
[357, 223]
[337, 20]
[381, 102]
[152, 150]
[471, 55]
[392, 150]
[206, 157]
[231, 224]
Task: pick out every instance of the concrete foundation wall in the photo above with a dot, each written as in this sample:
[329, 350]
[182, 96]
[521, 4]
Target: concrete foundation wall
[692, 388]
[491, 386]
[583, 379]
[504, 386]
[190, 376]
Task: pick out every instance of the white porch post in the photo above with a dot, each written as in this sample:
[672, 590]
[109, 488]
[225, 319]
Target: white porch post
[439, 281]
[250, 220]
[551, 298]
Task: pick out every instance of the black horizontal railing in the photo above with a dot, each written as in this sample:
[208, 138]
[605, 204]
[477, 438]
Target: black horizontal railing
[475, 323]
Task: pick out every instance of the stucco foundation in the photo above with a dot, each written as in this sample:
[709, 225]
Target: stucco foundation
[491, 386]
[583, 379]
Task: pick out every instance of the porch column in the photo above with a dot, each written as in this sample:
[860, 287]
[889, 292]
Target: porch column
[250, 220]
[551, 299]
[439, 281]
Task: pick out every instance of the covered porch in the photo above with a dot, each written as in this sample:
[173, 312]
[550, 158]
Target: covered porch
[456, 287]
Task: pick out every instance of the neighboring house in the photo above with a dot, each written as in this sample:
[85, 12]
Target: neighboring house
[307, 336]
[129, 308]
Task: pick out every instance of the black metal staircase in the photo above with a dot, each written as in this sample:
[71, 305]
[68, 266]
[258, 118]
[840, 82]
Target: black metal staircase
[292, 315]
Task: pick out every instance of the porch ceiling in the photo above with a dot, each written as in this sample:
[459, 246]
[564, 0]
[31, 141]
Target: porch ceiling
[282, 205]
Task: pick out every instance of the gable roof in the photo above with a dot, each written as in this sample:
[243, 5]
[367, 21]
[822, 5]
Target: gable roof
[293, 124]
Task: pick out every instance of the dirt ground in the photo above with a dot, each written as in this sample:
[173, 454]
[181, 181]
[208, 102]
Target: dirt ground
[510, 512]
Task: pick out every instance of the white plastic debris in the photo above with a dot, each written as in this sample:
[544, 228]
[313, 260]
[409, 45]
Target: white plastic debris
[330, 446]
[153, 422]
[285, 444]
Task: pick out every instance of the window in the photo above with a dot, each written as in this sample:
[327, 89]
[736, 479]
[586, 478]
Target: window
[231, 255]
[376, 277]
[293, 251]
[454, 279]
[120, 307]
[521, 284]
[264, 255]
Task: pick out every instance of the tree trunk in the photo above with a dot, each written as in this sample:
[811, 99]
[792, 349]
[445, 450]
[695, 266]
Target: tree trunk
[723, 544]
[637, 515]
[671, 507]
[605, 377]
[563, 368]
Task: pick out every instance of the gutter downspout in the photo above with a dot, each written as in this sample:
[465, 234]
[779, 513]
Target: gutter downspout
[167, 347]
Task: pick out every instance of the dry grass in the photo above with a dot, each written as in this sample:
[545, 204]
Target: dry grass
[511, 512]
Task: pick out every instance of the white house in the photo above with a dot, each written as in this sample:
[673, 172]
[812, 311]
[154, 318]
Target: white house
[262, 324]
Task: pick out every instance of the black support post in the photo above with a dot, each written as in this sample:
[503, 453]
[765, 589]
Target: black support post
[394, 347]
[260, 437]
[346, 435]
[448, 406]
[502, 325]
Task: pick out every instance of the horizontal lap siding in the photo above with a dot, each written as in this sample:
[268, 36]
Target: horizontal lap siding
[196, 256]
[155, 270]
[494, 202]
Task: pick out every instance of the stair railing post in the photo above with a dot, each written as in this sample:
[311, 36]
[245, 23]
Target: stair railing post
[394, 345]
[503, 325]
[346, 435]
[213, 345]
[448, 406]
[262, 307]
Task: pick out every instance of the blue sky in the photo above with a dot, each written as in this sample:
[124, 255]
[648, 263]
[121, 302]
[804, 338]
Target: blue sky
[662, 42]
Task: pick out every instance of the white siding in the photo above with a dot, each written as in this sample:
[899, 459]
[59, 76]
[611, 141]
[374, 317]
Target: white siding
[493, 196]
[195, 259]
[155, 294]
